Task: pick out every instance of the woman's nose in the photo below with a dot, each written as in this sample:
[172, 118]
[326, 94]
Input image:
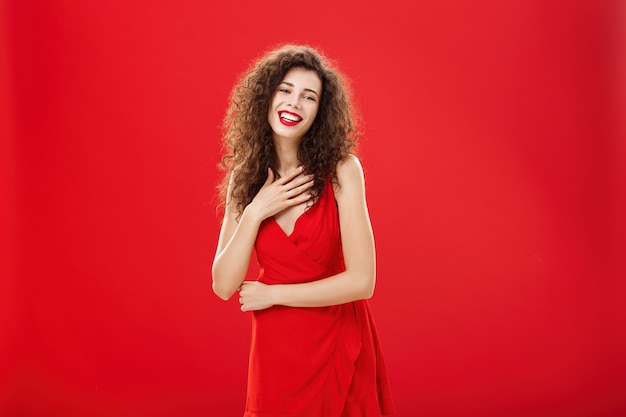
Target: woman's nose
[295, 102]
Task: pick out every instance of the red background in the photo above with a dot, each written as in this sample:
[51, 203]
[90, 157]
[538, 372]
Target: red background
[495, 160]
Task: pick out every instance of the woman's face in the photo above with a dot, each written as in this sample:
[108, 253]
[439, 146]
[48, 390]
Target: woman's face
[295, 103]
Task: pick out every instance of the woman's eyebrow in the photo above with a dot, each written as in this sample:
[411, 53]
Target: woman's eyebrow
[312, 91]
[306, 89]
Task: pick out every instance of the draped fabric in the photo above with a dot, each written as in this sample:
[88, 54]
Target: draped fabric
[312, 362]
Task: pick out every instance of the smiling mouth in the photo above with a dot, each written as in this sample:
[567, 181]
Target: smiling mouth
[288, 118]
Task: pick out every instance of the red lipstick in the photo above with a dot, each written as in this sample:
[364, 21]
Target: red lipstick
[292, 119]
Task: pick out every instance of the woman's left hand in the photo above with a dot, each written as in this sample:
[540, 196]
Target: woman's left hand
[254, 295]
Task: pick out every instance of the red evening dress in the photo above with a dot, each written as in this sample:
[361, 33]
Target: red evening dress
[312, 362]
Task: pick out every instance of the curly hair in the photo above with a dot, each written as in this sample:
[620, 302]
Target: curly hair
[247, 135]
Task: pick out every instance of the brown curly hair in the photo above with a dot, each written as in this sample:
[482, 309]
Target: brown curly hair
[247, 135]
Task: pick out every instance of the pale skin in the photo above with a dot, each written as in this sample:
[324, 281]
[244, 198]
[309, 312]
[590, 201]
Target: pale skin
[286, 198]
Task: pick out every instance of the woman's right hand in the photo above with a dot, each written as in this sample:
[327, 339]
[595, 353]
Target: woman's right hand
[279, 194]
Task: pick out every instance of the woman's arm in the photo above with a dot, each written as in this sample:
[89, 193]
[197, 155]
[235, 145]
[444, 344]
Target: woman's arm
[234, 249]
[237, 236]
[357, 281]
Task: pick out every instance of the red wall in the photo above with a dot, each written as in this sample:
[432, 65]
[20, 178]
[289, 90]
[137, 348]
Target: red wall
[495, 162]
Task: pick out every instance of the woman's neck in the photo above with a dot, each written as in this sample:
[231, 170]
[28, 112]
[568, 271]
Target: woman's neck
[286, 157]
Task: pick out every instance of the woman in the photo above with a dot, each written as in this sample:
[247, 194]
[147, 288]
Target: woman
[295, 192]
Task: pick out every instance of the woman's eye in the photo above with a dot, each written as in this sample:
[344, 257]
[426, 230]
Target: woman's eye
[310, 98]
[283, 90]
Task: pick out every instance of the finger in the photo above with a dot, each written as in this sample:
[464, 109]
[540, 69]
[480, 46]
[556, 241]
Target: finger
[290, 176]
[299, 199]
[299, 189]
[301, 180]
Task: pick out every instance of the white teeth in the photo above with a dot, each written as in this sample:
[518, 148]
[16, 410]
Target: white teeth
[290, 117]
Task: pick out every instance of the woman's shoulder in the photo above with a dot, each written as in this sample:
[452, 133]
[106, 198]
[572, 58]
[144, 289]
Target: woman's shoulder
[349, 167]
[349, 173]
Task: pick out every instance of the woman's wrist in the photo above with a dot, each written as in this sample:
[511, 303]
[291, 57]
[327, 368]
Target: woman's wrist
[252, 214]
[276, 294]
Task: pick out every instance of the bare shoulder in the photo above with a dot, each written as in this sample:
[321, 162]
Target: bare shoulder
[349, 176]
[348, 166]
